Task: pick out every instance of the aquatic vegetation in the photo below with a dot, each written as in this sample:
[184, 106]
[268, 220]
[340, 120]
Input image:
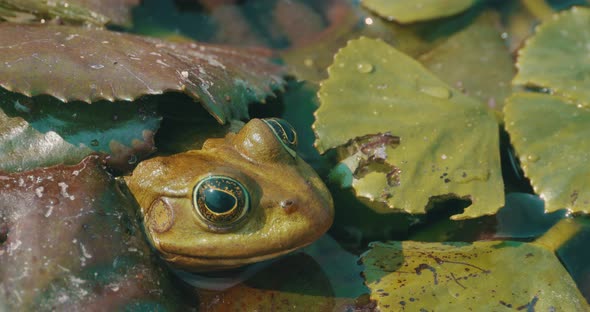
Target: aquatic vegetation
[154, 155]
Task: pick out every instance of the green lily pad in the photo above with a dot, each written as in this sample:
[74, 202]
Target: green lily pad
[405, 12]
[412, 135]
[485, 68]
[554, 155]
[557, 57]
[72, 63]
[414, 276]
[72, 11]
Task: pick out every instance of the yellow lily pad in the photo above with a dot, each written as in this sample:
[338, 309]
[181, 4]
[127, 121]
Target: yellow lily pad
[554, 154]
[404, 11]
[413, 136]
[485, 67]
[481, 276]
[557, 57]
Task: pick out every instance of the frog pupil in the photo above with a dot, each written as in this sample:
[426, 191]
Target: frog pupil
[219, 201]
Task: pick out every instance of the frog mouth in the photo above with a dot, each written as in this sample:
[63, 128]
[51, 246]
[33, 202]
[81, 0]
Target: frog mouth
[207, 263]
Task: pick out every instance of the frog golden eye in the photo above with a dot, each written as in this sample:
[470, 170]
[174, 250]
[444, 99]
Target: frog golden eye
[220, 200]
[284, 132]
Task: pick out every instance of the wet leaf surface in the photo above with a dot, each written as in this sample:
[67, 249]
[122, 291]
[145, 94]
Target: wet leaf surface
[24, 148]
[411, 133]
[409, 276]
[485, 68]
[554, 155]
[72, 11]
[90, 254]
[67, 132]
[413, 11]
[91, 65]
[556, 57]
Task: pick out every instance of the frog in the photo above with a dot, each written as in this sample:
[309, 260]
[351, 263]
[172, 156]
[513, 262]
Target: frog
[242, 199]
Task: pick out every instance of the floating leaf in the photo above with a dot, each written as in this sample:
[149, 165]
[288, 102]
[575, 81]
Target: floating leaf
[485, 68]
[67, 132]
[554, 155]
[404, 12]
[69, 241]
[415, 276]
[72, 63]
[413, 134]
[556, 57]
[98, 12]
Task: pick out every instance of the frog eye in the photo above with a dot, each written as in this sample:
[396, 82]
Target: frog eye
[284, 132]
[220, 200]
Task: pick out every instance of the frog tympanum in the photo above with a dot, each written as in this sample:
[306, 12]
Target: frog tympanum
[241, 199]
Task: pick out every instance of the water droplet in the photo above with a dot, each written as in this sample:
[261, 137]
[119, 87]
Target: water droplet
[532, 158]
[364, 68]
[437, 92]
[94, 142]
[308, 62]
[97, 66]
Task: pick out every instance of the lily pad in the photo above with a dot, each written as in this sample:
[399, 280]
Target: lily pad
[73, 11]
[405, 12]
[71, 241]
[43, 131]
[485, 68]
[557, 57]
[414, 276]
[71, 63]
[554, 155]
[412, 135]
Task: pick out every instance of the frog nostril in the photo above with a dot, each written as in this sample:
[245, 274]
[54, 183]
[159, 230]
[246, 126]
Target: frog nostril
[288, 205]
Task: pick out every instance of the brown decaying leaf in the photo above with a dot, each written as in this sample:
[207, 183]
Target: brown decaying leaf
[62, 230]
[72, 63]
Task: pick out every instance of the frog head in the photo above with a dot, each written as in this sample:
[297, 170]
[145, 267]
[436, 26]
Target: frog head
[241, 199]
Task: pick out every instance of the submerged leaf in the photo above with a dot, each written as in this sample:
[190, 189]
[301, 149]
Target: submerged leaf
[413, 134]
[24, 148]
[323, 278]
[554, 155]
[480, 276]
[72, 63]
[404, 11]
[557, 57]
[43, 131]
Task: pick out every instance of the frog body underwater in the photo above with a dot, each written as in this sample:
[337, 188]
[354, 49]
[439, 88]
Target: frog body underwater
[239, 200]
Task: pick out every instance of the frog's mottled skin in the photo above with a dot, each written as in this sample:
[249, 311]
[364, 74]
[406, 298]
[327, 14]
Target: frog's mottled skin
[290, 205]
